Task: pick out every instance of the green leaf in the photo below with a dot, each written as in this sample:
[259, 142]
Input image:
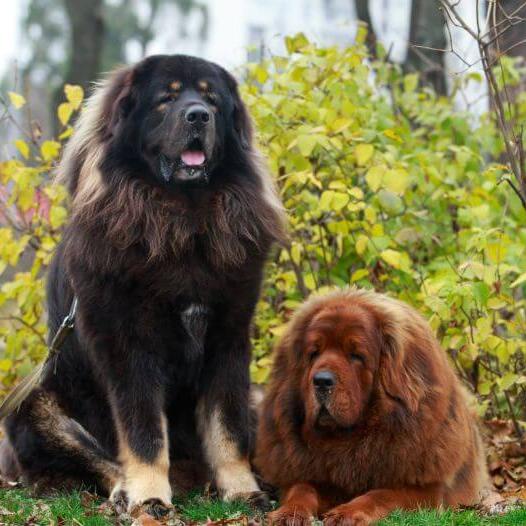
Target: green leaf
[390, 202]
[481, 292]
[507, 380]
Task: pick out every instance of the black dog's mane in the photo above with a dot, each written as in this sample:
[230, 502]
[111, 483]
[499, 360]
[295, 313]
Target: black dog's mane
[130, 212]
[136, 213]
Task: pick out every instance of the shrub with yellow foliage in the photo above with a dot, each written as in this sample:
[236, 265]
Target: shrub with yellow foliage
[386, 187]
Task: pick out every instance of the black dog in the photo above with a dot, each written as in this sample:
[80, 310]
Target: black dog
[172, 218]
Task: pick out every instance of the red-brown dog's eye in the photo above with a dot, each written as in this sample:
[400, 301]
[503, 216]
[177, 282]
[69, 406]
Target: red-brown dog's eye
[314, 352]
[354, 357]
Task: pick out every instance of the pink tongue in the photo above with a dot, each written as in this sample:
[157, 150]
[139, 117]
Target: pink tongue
[193, 158]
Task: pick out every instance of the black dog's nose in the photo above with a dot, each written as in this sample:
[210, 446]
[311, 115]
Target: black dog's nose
[197, 114]
[324, 380]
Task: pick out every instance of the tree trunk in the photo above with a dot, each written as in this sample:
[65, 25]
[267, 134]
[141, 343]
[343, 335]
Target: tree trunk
[511, 42]
[364, 15]
[87, 38]
[427, 29]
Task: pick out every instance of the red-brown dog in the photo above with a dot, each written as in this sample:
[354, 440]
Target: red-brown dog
[365, 415]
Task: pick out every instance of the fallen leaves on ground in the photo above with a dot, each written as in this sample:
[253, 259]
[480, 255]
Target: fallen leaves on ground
[506, 456]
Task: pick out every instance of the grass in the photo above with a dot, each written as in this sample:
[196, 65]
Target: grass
[18, 507]
[452, 518]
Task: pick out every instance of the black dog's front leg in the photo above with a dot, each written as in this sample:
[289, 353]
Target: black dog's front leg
[137, 404]
[223, 414]
[133, 373]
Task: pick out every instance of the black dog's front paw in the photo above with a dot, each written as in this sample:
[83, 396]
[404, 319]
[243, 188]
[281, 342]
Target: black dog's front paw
[155, 507]
[119, 500]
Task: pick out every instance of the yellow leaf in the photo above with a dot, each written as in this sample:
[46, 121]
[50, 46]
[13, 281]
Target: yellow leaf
[359, 274]
[295, 253]
[496, 251]
[5, 364]
[57, 216]
[74, 94]
[306, 144]
[356, 192]
[340, 124]
[22, 147]
[521, 279]
[392, 257]
[370, 215]
[361, 244]
[49, 150]
[64, 112]
[16, 99]
[363, 153]
[374, 176]
[396, 180]
[66, 133]
[392, 135]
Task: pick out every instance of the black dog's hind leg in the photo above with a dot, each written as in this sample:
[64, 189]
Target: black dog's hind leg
[54, 450]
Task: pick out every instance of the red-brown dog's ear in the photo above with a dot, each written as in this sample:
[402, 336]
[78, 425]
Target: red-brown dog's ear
[119, 98]
[401, 375]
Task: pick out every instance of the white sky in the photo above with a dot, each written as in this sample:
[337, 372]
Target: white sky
[229, 48]
[9, 31]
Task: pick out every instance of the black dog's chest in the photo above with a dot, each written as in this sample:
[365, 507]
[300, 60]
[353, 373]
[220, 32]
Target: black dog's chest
[194, 319]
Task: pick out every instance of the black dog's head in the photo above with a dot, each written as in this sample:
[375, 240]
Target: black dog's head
[174, 119]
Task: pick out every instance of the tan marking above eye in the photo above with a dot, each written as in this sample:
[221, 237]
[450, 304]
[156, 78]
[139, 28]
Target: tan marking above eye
[176, 85]
[161, 107]
[203, 85]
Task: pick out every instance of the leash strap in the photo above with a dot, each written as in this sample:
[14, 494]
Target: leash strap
[67, 325]
[22, 390]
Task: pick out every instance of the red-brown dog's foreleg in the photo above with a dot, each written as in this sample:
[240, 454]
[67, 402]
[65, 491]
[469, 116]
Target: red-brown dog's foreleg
[377, 504]
[298, 507]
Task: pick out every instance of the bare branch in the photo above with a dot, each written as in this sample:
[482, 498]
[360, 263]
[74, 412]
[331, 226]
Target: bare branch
[487, 38]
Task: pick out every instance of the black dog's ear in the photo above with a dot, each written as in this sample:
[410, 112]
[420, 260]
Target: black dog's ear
[242, 121]
[119, 98]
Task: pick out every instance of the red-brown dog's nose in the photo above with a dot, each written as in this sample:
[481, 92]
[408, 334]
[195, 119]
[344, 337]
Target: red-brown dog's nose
[323, 380]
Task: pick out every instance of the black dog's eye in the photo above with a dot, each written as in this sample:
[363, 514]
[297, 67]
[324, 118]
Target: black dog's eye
[165, 99]
[211, 98]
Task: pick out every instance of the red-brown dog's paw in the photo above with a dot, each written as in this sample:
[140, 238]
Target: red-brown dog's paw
[289, 516]
[347, 516]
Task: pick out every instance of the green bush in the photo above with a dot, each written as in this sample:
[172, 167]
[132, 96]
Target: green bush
[386, 187]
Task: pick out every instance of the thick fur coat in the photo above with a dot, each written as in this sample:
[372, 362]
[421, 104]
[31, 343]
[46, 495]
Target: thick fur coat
[364, 415]
[172, 218]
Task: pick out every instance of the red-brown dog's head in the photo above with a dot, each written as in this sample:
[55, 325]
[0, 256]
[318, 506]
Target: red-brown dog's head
[341, 351]
[351, 351]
